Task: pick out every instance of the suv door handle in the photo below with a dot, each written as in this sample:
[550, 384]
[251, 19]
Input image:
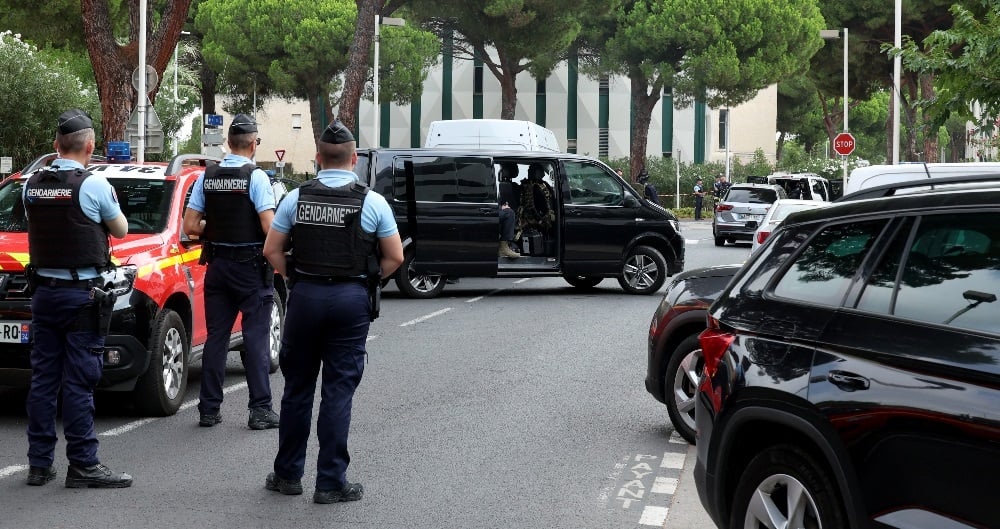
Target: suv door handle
[486, 211]
[847, 381]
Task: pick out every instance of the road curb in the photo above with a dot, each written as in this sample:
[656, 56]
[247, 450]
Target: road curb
[685, 510]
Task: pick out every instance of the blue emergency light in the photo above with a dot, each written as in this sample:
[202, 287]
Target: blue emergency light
[119, 151]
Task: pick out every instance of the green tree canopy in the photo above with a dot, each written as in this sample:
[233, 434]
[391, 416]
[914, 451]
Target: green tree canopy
[718, 51]
[36, 88]
[511, 36]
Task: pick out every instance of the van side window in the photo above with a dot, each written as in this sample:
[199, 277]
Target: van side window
[447, 179]
[591, 185]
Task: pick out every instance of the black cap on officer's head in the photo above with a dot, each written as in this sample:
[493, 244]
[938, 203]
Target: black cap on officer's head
[336, 133]
[73, 120]
[242, 124]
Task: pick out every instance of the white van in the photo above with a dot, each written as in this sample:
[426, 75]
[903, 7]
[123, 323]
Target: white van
[877, 175]
[491, 134]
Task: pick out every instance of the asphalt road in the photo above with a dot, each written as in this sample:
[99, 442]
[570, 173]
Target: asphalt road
[503, 403]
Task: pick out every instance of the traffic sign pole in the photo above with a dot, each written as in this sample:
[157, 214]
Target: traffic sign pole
[844, 145]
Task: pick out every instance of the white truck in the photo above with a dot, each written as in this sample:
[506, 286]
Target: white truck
[491, 134]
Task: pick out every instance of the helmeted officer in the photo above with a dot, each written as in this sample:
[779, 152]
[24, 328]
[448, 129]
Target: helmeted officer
[340, 234]
[70, 214]
[231, 207]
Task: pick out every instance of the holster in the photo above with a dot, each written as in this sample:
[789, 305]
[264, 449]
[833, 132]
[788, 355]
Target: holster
[374, 288]
[207, 253]
[96, 317]
[31, 274]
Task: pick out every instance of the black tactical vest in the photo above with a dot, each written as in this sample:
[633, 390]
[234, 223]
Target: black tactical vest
[230, 214]
[59, 234]
[327, 237]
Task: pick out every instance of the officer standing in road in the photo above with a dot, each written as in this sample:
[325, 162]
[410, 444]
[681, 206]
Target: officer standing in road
[70, 214]
[699, 199]
[231, 207]
[343, 239]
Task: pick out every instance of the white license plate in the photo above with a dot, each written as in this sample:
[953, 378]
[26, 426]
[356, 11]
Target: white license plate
[15, 332]
[748, 216]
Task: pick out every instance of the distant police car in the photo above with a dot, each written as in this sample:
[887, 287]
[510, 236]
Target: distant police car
[158, 329]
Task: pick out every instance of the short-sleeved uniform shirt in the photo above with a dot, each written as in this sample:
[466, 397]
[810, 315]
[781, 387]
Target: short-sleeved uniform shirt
[376, 215]
[98, 202]
[261, 192]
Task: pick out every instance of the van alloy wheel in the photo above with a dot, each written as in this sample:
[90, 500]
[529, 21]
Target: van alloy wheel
[424, 286]
[644, 271]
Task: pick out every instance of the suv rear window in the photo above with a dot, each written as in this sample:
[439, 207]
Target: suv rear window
[745, 195]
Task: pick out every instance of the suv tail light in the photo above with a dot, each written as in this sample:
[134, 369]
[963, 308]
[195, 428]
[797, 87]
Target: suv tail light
[762, 236]
[723, 207]
[714, 344]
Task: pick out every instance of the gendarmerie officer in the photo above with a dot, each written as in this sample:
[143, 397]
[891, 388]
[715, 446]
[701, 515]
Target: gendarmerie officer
[341, 234]
[70, 214]
[231, 207]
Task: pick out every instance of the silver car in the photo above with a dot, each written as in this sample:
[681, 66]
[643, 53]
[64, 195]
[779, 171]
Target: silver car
[779, 210]
[743, 203]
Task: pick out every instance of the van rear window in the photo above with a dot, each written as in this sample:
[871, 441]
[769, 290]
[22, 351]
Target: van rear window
[751, 196]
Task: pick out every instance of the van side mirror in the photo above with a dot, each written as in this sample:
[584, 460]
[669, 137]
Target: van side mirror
[631, 201]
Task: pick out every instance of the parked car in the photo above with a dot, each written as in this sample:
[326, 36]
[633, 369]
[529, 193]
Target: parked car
[777, 213]
[158, 329]
[673, 360]
[852, 370]
[743, 203]
[594, 224]
[803, 186]
[491, 135]
[878, 175]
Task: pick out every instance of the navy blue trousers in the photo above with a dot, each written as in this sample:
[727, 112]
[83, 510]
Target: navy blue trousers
[72, 361]
[233, 287]
[325, 326]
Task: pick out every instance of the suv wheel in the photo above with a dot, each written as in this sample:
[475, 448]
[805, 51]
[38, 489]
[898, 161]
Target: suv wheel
[583, 282]
[681, 377]
[274, 332]
[418, 286]
[784, 486]
[644, 271]
[161, 388]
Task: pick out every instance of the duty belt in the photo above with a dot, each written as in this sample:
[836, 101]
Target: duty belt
[236, 253]
[68, 283]
[327, 280]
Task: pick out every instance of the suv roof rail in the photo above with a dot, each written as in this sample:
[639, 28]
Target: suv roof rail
[182, 159]
[888, 190]
[46, 159]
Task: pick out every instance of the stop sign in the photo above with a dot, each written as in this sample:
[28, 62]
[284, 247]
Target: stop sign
[844, 143]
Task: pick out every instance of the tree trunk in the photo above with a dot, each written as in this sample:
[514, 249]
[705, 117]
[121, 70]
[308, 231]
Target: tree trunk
[780, 147]
[910, 113]
[114, 64]
[209, 86]
[356, 74]
[930, 131]
[829, 125]
[319, 105]
[644, 102]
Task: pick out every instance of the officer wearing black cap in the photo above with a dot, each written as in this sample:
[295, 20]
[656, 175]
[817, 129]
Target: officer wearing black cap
[71, 213]
[231, 207]
[342, 236]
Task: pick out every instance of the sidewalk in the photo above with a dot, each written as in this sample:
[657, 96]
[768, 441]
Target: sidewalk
[686, 511]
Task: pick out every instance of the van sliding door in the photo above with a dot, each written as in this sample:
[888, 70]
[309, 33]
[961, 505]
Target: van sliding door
[456, 215]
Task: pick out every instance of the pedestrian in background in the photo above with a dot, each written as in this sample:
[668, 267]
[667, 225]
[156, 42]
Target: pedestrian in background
[699, 199]
[343, 239]
[69, 248]
[231, 207]
[648, 189]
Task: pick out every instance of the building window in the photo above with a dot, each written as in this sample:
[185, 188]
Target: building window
[477, 78]
[296, 121]
[723, 130]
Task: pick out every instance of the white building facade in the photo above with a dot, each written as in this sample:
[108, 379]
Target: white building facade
[589, 116]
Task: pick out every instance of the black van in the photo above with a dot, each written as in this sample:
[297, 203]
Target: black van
[447, 206]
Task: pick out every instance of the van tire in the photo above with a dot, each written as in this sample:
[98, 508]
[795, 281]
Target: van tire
[160, 390]
[644, 271]
[418, 286]
[720, 241]
[583, 282]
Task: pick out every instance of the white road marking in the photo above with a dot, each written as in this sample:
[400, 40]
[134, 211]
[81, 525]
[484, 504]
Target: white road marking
[371, 337]
[425, 317]
[664, 485]
[656, 516]
[672, 460]
[686, 241]
[7, 472]
[194, 402]
[675, 438]
[126, 428]
[612, 477]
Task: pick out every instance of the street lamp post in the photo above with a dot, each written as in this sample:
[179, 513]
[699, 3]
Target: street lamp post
[833, 34]
[379, 21]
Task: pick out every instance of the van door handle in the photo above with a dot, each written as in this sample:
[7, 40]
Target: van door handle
[487, 211]
[847, 381]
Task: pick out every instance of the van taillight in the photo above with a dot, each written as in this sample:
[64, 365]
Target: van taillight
[762, 236]
[723, 207]
[714, 344]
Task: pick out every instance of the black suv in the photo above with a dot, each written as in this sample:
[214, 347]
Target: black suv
[852, 369]
[589, 224]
